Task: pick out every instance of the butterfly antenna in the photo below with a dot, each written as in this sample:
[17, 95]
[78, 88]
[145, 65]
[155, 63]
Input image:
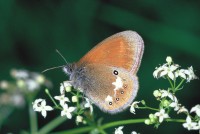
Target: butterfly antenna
[52, 68]
[61, 56]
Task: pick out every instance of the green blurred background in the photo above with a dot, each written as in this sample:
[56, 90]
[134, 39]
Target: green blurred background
[31, 30]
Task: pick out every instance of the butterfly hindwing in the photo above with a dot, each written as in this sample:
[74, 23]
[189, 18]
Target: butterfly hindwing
[110, 88]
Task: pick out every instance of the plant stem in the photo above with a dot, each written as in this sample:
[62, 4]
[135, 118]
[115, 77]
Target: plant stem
[47, 92]
[146, 107]
[170, 82]
[33, 119]
[122, 122]
[111, 124]
[176, 120]
[180, 84]
[174, 83]
[51, 125]
[79, 130]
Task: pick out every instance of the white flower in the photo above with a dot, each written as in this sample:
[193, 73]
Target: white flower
[19, 74]
[168, 70]
[133, 132]
[62, 89]
[162, 115]
[88, 105]
[62, 99]
[119, 130]
[4, 84]
[18, 100]
[196, 109]
[182, 110]
[175, 103]
[180, 73]
[39, 78]
[67, 111]
[42, 107]
[165, 93]
[133, 106]
[65, 86]
[32, 85]
[169, 60]
[68, 86]
[189, 124]
[36, 103]
[190, 74]
[157, 71]
[74, 99]
[79, 118]
[157, 93]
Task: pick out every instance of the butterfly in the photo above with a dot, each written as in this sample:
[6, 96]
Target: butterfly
[107, 73]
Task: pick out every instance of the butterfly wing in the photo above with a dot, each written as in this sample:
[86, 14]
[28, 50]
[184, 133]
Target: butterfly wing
[124, 50]
[112, 89]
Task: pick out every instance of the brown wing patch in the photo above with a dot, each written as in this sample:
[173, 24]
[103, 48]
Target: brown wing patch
[122, 50]
[103, 81]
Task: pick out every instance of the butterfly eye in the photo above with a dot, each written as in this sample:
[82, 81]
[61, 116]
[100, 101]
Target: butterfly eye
[70, 69]
[117, 99]
[110, 103]
[115, 72]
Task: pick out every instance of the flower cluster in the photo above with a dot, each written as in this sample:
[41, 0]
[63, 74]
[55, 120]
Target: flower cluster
[168, 100]
[172, 71]
[25, 82]
[77, 108]
[193, 123]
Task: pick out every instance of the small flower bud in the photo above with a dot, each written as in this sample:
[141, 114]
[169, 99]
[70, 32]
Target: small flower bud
[68, 89]
[4, 84]
[74, 99]
[21, 83]
[84, 122]
[152, 118]
[157, 93]
[79, 118]
[143, 102]
[166, 103]
[47, 91]
[169, 60]
[147, 122]
[40, 79]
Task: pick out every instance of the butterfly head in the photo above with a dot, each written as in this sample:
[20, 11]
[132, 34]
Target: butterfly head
[68, 68]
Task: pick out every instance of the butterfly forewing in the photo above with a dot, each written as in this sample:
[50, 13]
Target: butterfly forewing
[123, 50]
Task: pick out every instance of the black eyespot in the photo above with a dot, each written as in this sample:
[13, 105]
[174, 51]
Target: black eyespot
[110, 103]
[122, 92]
[115, 72]
[117, 99]
[125, 86]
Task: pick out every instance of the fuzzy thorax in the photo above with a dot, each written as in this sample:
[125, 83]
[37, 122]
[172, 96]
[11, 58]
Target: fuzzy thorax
[76, 75]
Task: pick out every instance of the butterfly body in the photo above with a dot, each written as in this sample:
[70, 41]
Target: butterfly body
[107, 73]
